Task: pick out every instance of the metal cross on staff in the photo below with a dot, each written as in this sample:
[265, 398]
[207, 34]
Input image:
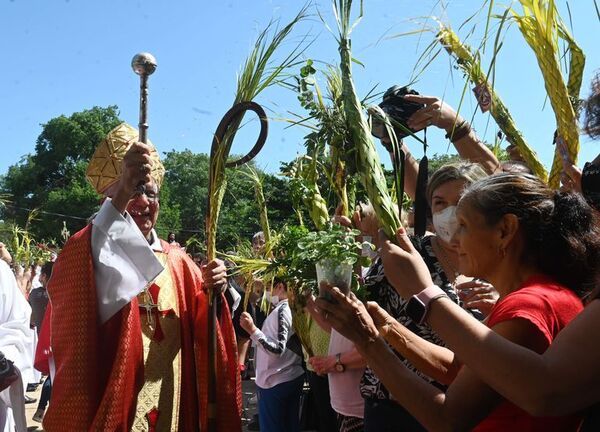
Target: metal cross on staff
[219, 154]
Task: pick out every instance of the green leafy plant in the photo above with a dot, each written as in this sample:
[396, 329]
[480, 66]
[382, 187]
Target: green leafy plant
[335, 243]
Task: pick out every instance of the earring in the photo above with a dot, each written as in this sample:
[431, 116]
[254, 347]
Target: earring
[501, 252]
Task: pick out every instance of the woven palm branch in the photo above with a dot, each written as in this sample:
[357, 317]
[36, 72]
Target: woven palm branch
[542, 28]
[257, 183]
[258, 73]
[470, 64]
[368, 165]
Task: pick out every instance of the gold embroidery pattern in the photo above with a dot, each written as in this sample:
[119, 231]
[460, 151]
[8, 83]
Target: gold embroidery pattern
[162, 360]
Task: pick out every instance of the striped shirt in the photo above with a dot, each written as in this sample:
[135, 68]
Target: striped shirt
[275, 364]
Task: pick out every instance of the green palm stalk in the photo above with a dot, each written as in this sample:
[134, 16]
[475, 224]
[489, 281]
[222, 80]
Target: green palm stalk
[368, 164]
[257, 74]
[303, 173]
[257, 182]
[470, 64]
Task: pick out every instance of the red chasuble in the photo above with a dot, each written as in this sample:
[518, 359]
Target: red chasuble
[99, 368]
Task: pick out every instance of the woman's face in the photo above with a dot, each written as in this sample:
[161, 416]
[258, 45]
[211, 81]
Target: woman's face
[476, 242]
[446, 195]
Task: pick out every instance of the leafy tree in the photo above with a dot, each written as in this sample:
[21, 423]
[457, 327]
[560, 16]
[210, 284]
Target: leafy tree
[53, 178]
[187, 180]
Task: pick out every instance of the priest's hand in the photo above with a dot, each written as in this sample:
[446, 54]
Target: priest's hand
[135, 169]
[214, 276]
[247, 323]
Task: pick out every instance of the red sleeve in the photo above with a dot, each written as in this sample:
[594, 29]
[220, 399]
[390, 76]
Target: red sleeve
[42, 351]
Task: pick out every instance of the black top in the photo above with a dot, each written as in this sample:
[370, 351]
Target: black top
[38, 299]
[388, 298]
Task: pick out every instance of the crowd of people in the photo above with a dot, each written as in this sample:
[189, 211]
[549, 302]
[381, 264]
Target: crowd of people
[484, 323]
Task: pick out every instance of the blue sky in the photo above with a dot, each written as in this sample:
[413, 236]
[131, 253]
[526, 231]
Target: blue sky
[60, 57]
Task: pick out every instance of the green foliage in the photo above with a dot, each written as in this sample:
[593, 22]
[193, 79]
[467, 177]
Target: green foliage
[187, 180]
[336, 243]
[436, 161]
[53, 178]
[169, 218]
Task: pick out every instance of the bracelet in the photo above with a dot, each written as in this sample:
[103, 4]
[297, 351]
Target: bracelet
[459, 132]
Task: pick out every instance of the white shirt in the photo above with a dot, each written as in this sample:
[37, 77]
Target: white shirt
[124, 262]
[275, 364]
[16, 342]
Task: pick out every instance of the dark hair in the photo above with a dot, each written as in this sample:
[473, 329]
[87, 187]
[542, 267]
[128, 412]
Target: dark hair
[47, 269]
[560, 229]
[591, 124]
[279, 280]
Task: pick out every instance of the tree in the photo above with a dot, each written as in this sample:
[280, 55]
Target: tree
[187, 180]
[53, 178]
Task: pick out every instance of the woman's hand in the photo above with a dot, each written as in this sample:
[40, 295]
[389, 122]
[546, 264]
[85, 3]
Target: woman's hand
[322, 364]
[348, 316]
[382, 320]
[478, 294]
[403, 266]
[435, 112]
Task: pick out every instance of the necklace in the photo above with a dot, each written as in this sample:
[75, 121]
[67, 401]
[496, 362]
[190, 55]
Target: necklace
[444, 260]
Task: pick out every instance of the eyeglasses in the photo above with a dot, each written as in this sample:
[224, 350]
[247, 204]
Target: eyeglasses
[151, 195]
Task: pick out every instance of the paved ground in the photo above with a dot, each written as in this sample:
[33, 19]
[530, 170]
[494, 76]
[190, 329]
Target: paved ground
[249, 408]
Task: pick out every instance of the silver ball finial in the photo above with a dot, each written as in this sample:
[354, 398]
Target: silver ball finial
[143, 64]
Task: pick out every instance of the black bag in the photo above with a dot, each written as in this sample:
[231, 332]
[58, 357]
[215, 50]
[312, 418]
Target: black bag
[309, 419]
[8, 374]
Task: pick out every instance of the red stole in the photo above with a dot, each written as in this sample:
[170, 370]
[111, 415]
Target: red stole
[99, 368]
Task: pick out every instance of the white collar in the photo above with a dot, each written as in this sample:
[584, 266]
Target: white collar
[154, 242]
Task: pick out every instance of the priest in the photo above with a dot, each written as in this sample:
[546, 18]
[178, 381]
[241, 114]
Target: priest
[16, 346]
[130, 313]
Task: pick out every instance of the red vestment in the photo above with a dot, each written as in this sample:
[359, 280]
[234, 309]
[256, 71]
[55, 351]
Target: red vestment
[99, 367]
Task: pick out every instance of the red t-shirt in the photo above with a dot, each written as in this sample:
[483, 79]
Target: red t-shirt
[549, 306]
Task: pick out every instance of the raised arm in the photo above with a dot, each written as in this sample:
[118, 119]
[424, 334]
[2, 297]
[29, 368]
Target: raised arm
[562, 380]
[458, 130]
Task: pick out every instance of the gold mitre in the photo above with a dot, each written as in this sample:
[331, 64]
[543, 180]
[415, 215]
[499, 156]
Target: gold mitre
[105, 166]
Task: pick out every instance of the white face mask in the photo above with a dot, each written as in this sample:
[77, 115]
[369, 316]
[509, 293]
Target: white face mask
[445, 223]
[274, 299]
[367, 251]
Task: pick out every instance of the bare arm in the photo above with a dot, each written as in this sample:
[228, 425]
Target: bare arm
[442, 115]
[468, 399]
[563, 380]
[326, 364]
[411, 170]
[433, 360]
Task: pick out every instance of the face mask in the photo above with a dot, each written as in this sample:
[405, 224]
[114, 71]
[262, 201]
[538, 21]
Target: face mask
[367, 250]
[274, 299]
[445, 223]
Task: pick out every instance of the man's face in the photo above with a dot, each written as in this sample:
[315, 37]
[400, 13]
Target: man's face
[143, 208]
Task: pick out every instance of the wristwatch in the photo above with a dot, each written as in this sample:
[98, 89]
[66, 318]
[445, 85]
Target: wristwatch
[339, 367]
[418, 305]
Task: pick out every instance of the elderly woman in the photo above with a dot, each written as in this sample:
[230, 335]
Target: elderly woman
[540, 250]
[382, 412]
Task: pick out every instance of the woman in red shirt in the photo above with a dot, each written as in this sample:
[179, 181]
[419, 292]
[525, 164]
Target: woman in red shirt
[538, 248]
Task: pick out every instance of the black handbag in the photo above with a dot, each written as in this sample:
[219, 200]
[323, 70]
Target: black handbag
[8, 373]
